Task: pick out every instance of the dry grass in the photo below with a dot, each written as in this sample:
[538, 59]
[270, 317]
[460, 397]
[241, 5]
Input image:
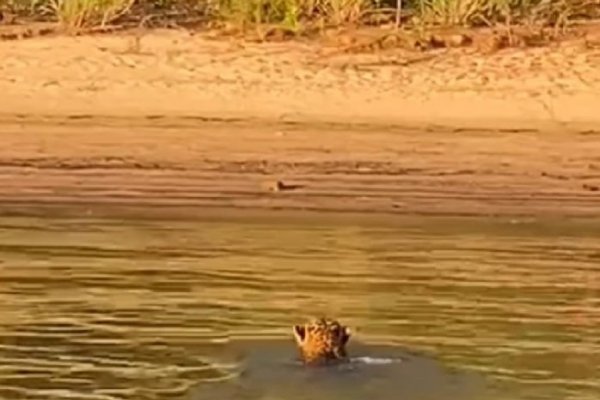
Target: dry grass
[294, 15]
[491, 12]
[75, 15]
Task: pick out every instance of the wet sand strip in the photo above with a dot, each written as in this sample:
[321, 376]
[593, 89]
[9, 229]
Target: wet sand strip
[226, 165]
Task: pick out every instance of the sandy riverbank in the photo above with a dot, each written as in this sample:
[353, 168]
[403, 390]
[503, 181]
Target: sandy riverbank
[97, 120]
[178, 74]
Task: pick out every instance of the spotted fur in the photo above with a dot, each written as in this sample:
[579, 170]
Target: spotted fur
[322, 341]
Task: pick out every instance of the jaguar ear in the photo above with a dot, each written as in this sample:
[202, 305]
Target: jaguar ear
[299, 333]
[346, 333]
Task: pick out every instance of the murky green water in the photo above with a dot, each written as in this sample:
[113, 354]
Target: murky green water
[148, 309]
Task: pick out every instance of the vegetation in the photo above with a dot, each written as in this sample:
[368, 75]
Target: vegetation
[296, 15]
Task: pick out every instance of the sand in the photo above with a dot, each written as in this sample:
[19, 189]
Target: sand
[180, 121]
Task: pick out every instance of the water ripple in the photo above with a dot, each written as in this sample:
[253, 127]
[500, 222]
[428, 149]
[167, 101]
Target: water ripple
[106, 310]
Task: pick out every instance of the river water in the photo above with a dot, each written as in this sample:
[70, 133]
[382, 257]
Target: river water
[148, 308]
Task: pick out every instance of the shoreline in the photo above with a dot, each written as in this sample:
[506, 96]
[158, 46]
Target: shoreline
[209, 166]
[184, 121]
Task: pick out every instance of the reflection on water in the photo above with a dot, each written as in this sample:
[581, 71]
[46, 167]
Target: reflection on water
[149, 309]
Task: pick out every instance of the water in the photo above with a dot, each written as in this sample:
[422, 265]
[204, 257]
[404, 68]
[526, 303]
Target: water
[108, 308]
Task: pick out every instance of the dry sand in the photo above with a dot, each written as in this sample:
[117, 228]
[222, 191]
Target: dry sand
[193, 123]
